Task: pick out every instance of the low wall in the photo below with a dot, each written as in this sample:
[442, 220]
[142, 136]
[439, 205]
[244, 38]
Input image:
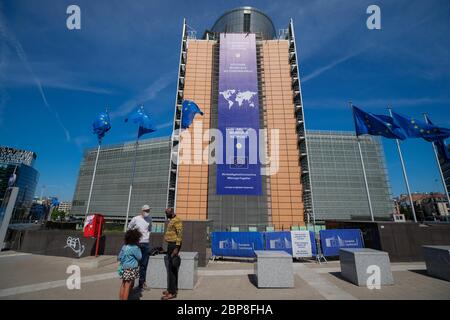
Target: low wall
[72, 243]
[403, 241]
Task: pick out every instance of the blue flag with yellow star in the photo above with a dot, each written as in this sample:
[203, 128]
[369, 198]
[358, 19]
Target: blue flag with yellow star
[440, 144]
[376, 125]
[146, 124]
[101, 125]
[188, 111]
[415, 128]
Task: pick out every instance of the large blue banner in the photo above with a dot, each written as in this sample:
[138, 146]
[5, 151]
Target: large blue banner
[333, 240]
[238, 170]
[279, 241]
[236, 244]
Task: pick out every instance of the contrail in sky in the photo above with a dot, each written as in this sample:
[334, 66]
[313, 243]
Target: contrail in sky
[13, 42]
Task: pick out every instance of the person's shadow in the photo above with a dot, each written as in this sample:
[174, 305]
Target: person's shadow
[135, 294]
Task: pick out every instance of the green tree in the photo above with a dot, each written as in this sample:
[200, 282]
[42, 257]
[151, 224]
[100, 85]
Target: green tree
[407, 212]
[58, 215]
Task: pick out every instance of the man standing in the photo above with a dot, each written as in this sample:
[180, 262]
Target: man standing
[143, 223]
[173, 237]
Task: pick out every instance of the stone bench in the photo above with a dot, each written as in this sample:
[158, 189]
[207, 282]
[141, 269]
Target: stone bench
[273, 269]
[356, 261]
[437, 260]
[187, 274]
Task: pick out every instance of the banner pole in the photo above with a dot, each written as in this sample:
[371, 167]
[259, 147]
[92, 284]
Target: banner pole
[365, 179]
[131, 183]
[364, 169]
[405, 176]
[92, 181]
[440, 168]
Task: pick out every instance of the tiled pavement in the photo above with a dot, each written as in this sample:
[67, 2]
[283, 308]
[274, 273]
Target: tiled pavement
[25, 276]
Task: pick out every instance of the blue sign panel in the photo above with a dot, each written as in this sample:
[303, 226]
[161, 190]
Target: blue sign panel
[238, 167]
[279, 241]
[333, 240]
[236, 244]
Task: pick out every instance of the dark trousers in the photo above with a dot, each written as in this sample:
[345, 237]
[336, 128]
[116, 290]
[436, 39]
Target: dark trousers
[172, 269]
[145, 251]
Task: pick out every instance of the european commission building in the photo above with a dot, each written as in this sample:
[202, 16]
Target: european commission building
[113, 176]
[244, 75]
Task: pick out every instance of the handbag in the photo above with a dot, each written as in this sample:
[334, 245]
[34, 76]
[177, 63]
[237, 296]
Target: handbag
[120, 270]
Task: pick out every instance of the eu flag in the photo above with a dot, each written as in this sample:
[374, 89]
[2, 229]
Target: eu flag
[188, 111]
[101, 125]
[368, 123]
[140, 117]
[390, 122]
[413, 128]
[436, 133]
[55, 202]
[440, 144]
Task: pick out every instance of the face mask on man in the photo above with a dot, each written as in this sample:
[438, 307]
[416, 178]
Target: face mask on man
[146, 214]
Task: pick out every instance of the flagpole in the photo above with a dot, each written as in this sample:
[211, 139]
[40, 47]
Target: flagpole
[92, 180]
[364, 171]
[131, 182]
[439, 165]
[404, 174]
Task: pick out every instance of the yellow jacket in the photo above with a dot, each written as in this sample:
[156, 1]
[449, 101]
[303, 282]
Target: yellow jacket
[174, 232]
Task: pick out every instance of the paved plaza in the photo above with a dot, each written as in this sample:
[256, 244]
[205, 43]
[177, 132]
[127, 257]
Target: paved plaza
[27, 276]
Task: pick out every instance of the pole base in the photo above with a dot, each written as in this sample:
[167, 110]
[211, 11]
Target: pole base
[320, 257]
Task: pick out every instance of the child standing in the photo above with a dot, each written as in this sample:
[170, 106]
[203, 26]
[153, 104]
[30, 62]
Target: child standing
[129, 258]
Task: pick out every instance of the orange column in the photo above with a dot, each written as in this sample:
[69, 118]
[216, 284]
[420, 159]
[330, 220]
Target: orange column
[285, 187]
[192, 185]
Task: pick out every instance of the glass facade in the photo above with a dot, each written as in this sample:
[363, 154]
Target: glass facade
[17, 156]
[445, 166]
[112, 180]
[21, 162]
[245, 19]
[338, 187]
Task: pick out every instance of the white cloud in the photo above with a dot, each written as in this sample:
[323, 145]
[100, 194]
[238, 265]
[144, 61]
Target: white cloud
[148, 94]
[10, 39]
[329, 66]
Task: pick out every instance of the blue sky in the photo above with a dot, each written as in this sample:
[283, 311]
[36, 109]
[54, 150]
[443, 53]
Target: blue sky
[54, 81]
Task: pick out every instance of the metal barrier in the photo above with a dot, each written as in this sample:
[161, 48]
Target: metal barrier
[334, 239]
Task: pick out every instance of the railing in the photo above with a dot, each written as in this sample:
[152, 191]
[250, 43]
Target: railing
[174, 152]
[289, 35]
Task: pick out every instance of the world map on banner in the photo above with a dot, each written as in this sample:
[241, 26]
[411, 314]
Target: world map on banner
[234, 97]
